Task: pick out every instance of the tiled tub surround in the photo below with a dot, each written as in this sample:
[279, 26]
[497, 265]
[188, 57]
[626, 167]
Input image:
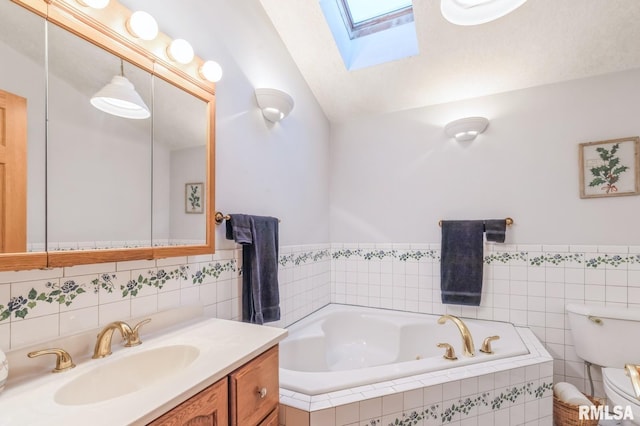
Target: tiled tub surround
[510, 391]
[343, 346]
[39, 305]
[528, 285]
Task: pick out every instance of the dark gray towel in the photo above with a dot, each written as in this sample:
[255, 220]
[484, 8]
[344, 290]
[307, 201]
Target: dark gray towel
[495, 230]
[259, 238]
[461, 260]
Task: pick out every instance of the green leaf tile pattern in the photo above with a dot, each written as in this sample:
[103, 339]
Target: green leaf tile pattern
[66, 292]
[463, 407]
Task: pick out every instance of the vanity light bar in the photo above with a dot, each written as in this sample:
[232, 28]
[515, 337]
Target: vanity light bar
[143, 26]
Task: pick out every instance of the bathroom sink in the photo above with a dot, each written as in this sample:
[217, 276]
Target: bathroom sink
[126, 375]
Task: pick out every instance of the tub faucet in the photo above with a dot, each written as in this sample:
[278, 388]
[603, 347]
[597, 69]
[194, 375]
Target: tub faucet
[467, 341]
[633, 372]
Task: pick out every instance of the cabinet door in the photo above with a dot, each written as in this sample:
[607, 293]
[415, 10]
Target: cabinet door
[208, 408]
[271, 420]
[254, 389]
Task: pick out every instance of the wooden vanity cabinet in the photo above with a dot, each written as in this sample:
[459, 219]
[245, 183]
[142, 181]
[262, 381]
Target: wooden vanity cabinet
[207, 408]
[247, 397]
[254, 391]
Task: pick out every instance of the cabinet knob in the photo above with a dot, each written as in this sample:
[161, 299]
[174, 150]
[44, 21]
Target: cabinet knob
[262, 392]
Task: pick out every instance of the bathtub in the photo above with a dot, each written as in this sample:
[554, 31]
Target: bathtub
[342, 347]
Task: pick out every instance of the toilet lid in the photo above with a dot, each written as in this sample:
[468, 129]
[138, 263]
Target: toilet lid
[620, 383]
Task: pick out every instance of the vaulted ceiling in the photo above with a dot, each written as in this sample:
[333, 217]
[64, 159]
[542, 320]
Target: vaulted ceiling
[542, 42]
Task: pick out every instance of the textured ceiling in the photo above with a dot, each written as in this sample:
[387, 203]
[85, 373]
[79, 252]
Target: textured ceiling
[542, 42]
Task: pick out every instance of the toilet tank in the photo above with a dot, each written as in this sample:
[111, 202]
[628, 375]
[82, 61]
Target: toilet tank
[605, 335]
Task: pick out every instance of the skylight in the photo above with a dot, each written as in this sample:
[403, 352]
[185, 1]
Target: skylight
[364, 17]
[364, 10]
[371, 32]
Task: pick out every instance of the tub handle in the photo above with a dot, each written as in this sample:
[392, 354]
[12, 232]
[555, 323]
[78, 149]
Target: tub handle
[262, 392]
[449, 353]
[486, 344]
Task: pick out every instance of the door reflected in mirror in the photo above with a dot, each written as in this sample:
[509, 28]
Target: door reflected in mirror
[22, 140]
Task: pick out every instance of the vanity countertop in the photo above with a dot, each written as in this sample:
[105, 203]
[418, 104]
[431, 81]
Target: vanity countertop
[224, 346]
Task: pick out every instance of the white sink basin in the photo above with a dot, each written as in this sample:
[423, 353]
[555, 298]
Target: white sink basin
[126, 375]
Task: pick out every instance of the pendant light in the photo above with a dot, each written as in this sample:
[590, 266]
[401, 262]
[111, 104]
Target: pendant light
[120, 98]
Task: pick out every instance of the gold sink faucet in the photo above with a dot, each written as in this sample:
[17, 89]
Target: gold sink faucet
[467, 341]
[132, 337]
[103, 344]
[63, 359]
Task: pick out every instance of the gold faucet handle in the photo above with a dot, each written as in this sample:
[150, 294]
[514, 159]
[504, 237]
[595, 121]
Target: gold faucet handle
[63, 359]
[633, 371]
[486, 344]
[134, 338]
[449, 353]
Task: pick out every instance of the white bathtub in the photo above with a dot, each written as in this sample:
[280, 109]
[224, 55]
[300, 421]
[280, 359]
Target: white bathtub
[342, 347]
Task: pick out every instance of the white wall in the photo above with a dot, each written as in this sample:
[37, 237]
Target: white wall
[394, 176]
[274, 170]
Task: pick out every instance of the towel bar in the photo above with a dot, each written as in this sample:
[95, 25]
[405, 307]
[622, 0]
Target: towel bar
[219, 218]
[508, 221]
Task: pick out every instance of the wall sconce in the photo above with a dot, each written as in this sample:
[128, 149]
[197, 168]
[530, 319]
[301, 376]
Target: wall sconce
[466, 129]
[120, 98]
[275, 104]
[142, 25]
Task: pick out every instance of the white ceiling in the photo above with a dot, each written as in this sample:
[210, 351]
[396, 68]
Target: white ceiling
[542, 42]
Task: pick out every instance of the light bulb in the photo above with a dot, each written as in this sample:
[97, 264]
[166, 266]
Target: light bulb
[180, 51]
[211, 71]
[142, 25]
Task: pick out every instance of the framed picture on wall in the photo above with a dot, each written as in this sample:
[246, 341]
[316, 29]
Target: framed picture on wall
[609, 168]
[193, 197]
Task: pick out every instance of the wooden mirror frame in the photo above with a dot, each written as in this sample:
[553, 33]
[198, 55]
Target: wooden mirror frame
[106, 28]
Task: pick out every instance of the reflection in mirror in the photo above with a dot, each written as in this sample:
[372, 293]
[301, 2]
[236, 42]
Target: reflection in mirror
[22, 76]
[99, 165]
[180, 131]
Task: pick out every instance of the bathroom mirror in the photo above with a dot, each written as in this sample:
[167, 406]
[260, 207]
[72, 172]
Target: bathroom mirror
[98, 164]
[115, 188]
[22, 76]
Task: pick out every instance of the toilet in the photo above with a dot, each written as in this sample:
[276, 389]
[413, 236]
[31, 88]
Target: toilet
[609, 337]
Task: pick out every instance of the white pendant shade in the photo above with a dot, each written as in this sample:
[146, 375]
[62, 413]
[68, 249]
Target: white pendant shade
[121, 99]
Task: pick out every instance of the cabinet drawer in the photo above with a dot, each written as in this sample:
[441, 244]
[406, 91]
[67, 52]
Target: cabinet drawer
[254, 389]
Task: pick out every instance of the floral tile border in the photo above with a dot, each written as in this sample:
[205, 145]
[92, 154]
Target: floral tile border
[65, 292]
[532, 259]
[464, 406]
[298, 259]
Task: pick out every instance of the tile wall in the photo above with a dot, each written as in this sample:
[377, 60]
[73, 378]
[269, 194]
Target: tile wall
[528, 285]
[39, 305]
